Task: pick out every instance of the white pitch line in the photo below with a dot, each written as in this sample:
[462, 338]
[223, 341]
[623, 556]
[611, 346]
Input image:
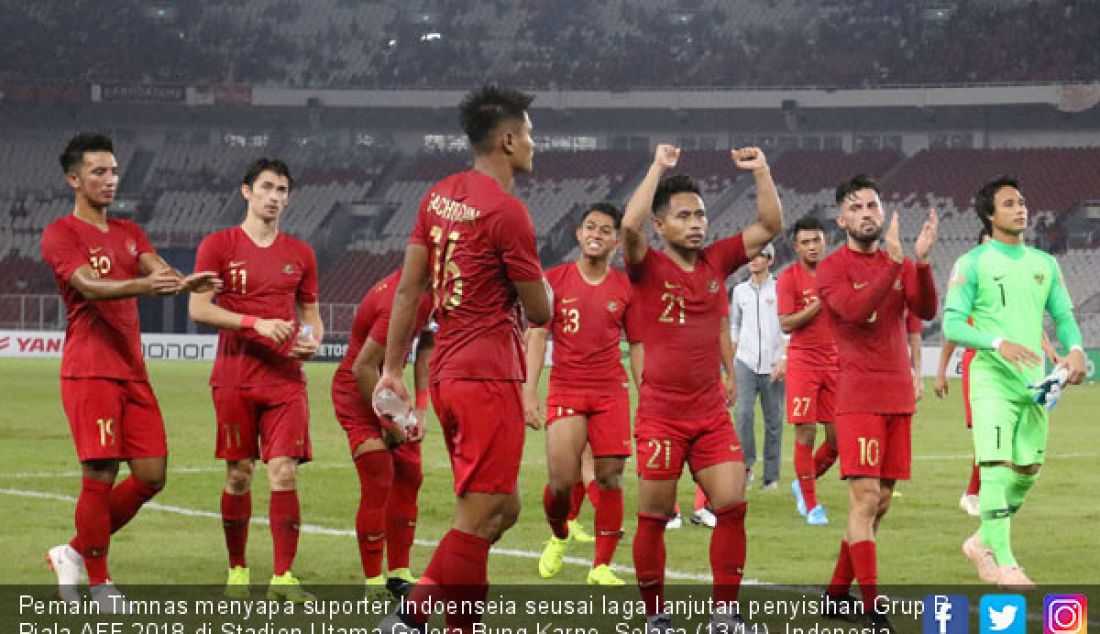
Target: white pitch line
[317, 529]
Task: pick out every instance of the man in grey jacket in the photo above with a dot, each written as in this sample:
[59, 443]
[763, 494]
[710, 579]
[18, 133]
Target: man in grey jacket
[761, 363]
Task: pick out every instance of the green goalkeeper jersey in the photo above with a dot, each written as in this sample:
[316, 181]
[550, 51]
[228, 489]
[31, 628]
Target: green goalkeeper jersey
[1005, 289]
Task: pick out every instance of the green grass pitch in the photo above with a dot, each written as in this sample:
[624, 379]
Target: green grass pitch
[180, 540]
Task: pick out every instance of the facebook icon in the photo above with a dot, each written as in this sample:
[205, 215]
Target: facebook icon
[946, 614]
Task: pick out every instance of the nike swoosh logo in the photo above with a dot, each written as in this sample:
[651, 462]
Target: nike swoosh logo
[859, 285]
[998, 278]
[234, 265]
[670, 285]
[808, 291]
[569, 300]
[95, 250]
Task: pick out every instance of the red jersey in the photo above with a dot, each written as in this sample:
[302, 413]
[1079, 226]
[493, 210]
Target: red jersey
[266, 282]
[102, 338]
[867, 296]
[813, 346]
[679, 314]
[479, 239]
[372, 319]
[587, 326]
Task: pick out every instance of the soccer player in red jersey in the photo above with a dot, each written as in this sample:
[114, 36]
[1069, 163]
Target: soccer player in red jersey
[101, 265]
[866, 291]
[386, 454]
[474, 244]
[680, 294]
[268, 323]
[811, 367]
[588, 403]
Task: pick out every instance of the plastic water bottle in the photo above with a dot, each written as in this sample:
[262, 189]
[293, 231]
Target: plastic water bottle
[387, 403]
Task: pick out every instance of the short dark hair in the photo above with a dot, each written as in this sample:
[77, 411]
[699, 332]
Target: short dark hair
[672, 185]
[605, 208]
[983, 200]
[854, 184]
[807, 223]
[261, 165]
[486, 108]
[73, 155]
[984, 233]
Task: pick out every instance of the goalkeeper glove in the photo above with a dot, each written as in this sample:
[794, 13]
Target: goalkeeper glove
[1049, 390]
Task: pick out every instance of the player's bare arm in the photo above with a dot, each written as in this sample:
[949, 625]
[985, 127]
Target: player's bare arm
[729, 351]
[306, 346]
[203, 310]
[915, 361]
[794, 321]
[769, 211]
[424, 346]
[640, 205]
[535, 301]
[414, 279]
[95, 288]
[534, 411]
[946, 351]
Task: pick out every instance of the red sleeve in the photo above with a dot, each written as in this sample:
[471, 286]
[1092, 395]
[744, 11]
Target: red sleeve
[61, 252]
[786, 301]
[728, 254]
[848, 303]
[514, 235]
[307, 288]
[141, 240]
[419, 233]
[920, 290]
[379, 318]
[207, 258]
[912, 323]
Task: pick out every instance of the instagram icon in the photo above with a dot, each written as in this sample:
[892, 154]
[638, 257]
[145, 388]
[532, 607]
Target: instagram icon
[1065, 614]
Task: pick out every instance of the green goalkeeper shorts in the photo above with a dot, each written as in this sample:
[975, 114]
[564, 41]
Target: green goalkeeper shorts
[1007, 430]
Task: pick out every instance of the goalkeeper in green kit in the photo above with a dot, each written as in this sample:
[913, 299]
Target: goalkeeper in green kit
[1006, 286]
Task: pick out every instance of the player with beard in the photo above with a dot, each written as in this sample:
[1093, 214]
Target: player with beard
[867, 291]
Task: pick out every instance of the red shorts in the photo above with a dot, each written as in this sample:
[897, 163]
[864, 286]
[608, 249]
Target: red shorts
[268, 421]
[663, 444]
[608, 419]
[113, 420]
[811, 396]
[874, 445]
[483, 427]
[360, 422]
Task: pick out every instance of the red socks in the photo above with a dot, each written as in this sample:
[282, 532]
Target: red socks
[727, 552]
[975, 485]
[558, 510]
[375, 469]
[576, 499]
[843, 574]
[824, 458]
[126, 498]
[804, 469]
[609, 524]
[285, 516]
[458, 571]
[401, 512]
[593, 489]
[93, 528]
[865, 565]
[649, 561]
[236, 513]
[700, 498]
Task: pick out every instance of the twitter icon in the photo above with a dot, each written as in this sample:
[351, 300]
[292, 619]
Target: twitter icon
[1003, 614]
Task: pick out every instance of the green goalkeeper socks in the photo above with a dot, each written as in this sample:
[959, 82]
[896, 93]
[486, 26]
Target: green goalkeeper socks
[1017, 491]
[996, 517]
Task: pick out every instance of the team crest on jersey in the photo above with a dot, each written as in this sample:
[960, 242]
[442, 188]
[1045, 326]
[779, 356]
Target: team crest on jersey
[288, 269]
[612, 306]
[131, 246]
[1039, 277]
[713, 286]
[897, 284]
